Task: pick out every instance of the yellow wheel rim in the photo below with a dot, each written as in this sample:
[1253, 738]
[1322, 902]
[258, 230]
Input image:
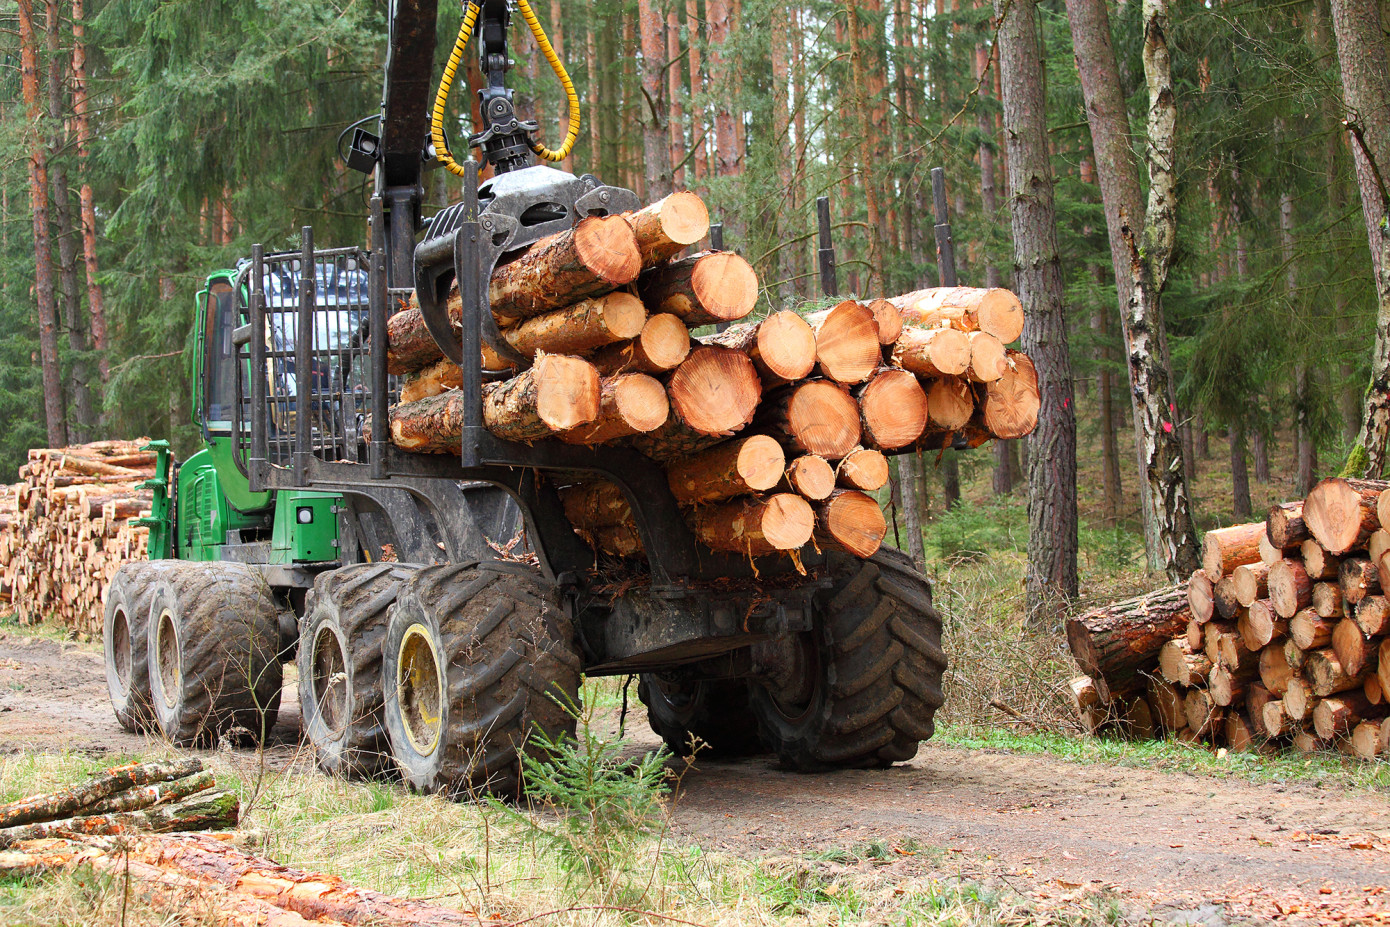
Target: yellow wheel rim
[420, 689]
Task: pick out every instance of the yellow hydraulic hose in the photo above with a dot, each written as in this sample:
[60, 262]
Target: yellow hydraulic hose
[446, 83]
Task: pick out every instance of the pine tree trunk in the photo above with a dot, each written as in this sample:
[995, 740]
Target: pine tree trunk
[43, 259]
[656, 150]
[591, 68]
[729, 162]
[675, 116]
[1052, 539]
[1140, 266]
[1240, 476]
[1259, 450]
[1109, 439]
[83, 133]
[698, 130]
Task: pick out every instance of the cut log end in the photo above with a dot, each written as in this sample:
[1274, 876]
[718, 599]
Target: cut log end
[811, 476]
[1342, 514]
[847, 342]
[889, 320]
[715, 390]
[851, 520]
[893, 409]
[786, 346]
[629, 404]
[734, 468]
[934, 352]
[780, 522]
[607, 246]
[823, 419]
[988, 361]
[1012, 402]
[864, 469]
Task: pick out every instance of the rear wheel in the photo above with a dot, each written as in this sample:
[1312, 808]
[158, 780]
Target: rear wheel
[124, 641]
[213, 643]
[867, 679]
[477, 659]
[714, 712]
[340, 692]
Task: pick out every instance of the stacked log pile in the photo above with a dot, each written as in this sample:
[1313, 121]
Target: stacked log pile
[1282, 638]
[773, 433]
[69, 529]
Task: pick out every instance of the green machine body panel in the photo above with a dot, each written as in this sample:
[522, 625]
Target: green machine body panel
[205, 512]
[306, 527]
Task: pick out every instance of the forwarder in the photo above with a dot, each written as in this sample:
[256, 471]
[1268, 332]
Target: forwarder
[440, 608]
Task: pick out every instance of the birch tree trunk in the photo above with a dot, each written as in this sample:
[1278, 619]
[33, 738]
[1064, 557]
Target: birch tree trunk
[656, 150]
[1051, 578]
[1141, 243]
[43, 259]
[1365, 63]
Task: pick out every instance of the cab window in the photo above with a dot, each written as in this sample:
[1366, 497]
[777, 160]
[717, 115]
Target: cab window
[219, 371]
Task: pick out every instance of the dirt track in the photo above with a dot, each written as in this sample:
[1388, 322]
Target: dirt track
[1162, 841]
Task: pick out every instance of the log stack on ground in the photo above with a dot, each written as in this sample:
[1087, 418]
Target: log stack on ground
[772, 433]
[68, 526]
[1287, 637]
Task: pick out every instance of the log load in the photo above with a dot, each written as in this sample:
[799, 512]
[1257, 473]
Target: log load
[1342, 514]
[994, 311]
[660, 347]
[736, 468]
[439, 377]
[781, 346]
[581, 327]
[864, 469]
[847, 346]
[933, 352]
[1113, 644]
[850, 520]
[813, 417]
[667, 227]
[754, 526]
[893, 409]
[810, 476]
[595, 257]
[703, 289]
[715, 390]
[629, 404]
[410, 346]
[1011, 405]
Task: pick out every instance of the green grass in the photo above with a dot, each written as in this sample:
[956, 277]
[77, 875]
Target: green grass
[1331, 770]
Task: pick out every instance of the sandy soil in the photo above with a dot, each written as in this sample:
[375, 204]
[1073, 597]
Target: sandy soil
[1184, 847]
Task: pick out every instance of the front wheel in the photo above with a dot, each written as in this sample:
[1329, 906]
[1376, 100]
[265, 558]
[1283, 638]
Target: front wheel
[125, 630]
[867, 678]
[711, 714]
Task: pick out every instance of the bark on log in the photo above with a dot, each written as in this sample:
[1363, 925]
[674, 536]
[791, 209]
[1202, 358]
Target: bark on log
[716, 390]
[1383, 666]
[1354, 650]
[1249, 580]
[674, 440]
[950, 405]
[65, 802]
[996, 311]
[614, 540]
[1290, 587]
[581, 327]
[1224, 549]
[1357, 578]
[851, 521]
[1326, 675]
[1373, 615]
[599, 504]
[892, 409]
[668, 226]
[1199, 596]
[1317, 562]
[1285, 527]
[755, 526]
[204, 811]
[1309, 630]
[439, 377]
[815, 417]
[933, 352]
[703, 289]
[159, 793]
[1181, 665]
[782, 346]
[810, 476]
[1327, 600]
[988, 360]
[659, 348]
[411, 347]
[735, 468]
[1116, 644]
[847, 344]
[595, 257]
[1341, 514]
[1339, 714]
[863, 469]
[889, 320]
[1203, 714]
[1275, 671]
[629, 404]
[1011, 404]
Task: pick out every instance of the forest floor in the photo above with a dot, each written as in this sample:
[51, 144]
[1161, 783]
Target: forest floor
[1021, 830]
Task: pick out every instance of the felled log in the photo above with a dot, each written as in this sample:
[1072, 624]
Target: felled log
[1365, 739]
[950, 404]
[1327, 600]
[809, 476]
[1011, 404]
[1339, 714]
[862, 468]
[439, 377]
[933, 352]
[1309, 630]
[1224, 595]
[715, 390]
[1224, 549]
[594, 505]
[1181, 665]
[1357, 578]
[204, 811]
[813, 417]
[1260, 625]
[1116, 644]
[754, 526]
[847, 343]
[159, 793]
[1203, 714]
[1290, 587]
[889, 320]
[850, 520]
[1285, 527]
[987, 358]
[1326, 675]
[1090, 711]
[595, 257]
[782, 346]
[1227, 686]
[1342, 514]
[615, 540]
[117, 779]
[581, 327]
[1354, 650]
[1199, 596]
[1373, 615]
[629, 404]
[1269, 554]
[996, 311]
[1250, 584]
[1238, 733]
[892, 409]
[659, 348]
[673, 440]
[734, 468]
[1167, 700]
[665, 228]
[1383, 666]
[1276, 719]
[714, 286]
[1316, 561]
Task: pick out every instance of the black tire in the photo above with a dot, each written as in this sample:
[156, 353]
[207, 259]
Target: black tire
[124, 641]
[716, 711]
[871, 672]
[214, 663]
[340, 692]
[476, 658]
